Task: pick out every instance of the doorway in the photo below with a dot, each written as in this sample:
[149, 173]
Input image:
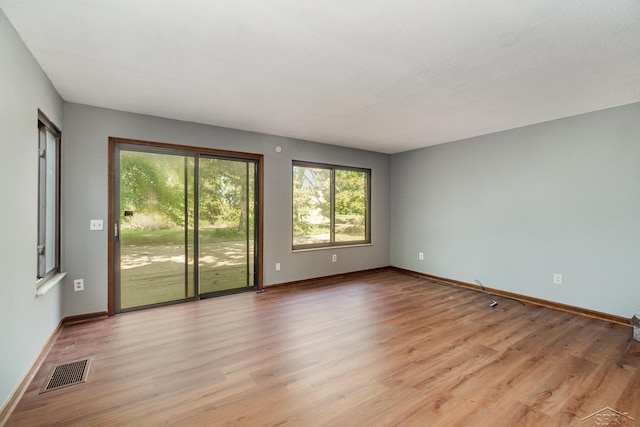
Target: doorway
[185, 224]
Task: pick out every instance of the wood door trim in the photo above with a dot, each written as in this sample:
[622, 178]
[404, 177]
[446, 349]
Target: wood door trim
[111, 307]
[195, 149]
[260, 222]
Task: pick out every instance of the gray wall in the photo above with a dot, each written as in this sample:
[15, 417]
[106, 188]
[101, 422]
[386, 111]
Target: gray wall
[26, 322]
[87, 130]
[515, 207]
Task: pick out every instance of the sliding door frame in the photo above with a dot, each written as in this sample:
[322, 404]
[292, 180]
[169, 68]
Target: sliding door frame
[113, 262]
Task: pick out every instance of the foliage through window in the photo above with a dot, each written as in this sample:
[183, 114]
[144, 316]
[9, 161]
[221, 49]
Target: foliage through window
[48, 199]
[330, 205]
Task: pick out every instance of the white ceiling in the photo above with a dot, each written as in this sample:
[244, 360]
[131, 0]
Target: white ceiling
[381, 75]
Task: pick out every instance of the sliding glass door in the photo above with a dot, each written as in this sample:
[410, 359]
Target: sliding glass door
[226, 224]
[185, 225]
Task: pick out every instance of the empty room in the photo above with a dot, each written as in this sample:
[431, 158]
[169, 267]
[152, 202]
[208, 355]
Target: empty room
[306, 213]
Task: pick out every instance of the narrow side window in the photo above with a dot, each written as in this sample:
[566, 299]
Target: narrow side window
[48, 248]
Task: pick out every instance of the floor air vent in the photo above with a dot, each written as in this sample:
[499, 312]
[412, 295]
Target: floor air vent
[65, 375]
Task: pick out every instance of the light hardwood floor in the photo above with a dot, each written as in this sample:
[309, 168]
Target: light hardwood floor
[376, 349]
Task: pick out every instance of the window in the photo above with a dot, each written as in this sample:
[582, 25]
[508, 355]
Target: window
[330, 205]
[48, 199]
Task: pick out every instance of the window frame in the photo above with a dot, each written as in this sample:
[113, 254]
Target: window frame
[45, 193]
[332, 243]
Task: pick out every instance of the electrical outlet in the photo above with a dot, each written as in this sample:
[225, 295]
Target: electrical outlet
[557, 279]
[334, 258]
[421, 256]
[78, 285]
[277, 266]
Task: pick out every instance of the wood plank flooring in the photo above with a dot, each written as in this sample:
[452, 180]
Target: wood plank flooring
[376, 349]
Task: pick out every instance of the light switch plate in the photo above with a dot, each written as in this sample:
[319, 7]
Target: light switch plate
[96, 224]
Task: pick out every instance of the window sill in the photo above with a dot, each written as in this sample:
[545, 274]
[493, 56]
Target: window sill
[325, 248]
[49, 284]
